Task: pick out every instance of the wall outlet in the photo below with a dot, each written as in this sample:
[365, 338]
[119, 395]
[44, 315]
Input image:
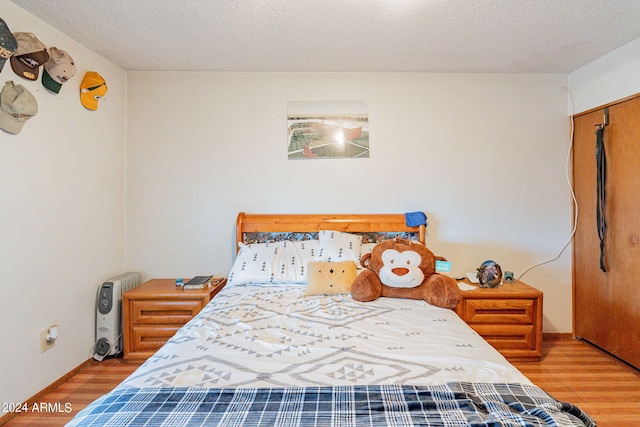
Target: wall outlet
[44, 344]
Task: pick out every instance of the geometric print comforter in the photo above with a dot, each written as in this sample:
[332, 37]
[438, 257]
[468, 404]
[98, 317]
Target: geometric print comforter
[272, 335]
[268, 355]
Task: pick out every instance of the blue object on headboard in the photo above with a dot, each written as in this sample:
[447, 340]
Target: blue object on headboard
[415, 219]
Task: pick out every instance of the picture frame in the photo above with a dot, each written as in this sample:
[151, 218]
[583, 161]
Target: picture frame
[327, 129]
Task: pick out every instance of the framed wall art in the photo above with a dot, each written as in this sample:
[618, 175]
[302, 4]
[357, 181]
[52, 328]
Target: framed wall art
[327, 129]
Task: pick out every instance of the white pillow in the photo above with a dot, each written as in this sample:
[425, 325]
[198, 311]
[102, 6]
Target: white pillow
[256, 263]
[336, 246]
[304, 251]
[282, 262]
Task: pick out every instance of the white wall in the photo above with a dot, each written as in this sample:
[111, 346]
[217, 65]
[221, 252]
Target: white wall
[607, 79]
[483, 155]
[61, 217]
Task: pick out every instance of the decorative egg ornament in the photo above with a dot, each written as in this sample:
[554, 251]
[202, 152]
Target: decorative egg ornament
[489, 274]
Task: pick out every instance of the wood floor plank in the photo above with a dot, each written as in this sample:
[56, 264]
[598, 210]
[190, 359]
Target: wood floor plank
[571, 370]
[76, 393]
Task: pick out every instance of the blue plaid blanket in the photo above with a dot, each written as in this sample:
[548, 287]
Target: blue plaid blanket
[454, 404]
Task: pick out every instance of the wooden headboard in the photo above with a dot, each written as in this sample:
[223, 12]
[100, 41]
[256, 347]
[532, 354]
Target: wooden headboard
[353, 223]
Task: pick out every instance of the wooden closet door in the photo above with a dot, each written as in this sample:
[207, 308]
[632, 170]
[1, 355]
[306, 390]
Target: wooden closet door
[607, 305]
[624, 233]
[593, 313]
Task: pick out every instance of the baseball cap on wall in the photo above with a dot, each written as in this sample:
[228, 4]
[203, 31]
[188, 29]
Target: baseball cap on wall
[57, 70]
[8, 43]
[29, 56]
[17, 105]
[92, 88]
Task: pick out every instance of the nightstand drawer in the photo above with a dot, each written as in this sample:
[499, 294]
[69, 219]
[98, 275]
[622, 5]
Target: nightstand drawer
[503, 311]
[163, 312]
[150, 339]
[521, 337]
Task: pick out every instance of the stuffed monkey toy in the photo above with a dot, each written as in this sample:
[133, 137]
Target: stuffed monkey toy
[400, 268]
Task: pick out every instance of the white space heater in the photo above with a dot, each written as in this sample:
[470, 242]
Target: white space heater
[109, 314]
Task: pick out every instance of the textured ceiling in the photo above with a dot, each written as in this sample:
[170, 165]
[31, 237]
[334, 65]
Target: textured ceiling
[538, 36]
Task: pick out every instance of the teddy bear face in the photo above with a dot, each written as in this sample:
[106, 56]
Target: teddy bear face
[402, 264]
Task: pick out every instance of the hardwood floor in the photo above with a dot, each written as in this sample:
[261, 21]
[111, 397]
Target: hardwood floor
[571, 370]
[83, 388]
[577, 372]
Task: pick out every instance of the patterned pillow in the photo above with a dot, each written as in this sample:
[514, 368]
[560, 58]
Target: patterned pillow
[367, 236]
[335, 246]
[330, 278]
[282, 262]
[256, 263]
[299, 256]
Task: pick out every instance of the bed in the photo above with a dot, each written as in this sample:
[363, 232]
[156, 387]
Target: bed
[269, 350]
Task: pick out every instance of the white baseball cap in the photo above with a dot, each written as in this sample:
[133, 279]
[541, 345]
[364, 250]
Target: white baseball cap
[58, 69]
[17, 105]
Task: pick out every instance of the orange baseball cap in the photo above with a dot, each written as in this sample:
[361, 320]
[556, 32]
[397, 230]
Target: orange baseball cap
[92, 88]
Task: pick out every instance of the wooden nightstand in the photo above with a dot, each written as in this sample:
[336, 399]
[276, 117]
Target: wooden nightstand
[154, 311]
[509, 317]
